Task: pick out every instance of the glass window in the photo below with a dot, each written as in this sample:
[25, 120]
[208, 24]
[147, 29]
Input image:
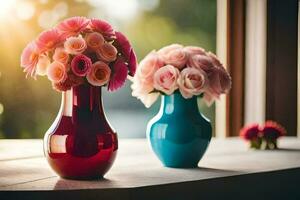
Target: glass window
[28, 107]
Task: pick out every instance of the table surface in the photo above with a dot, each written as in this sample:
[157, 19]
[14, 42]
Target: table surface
[24, 168]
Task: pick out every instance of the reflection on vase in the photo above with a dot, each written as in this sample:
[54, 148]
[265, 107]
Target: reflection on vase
[179, 135]
[81, 144]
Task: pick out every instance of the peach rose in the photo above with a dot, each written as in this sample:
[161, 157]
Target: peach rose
[174, 55]
[148, 66]
[94, 40]
[165, 79]
[61, 55]
[42, 65]
[191, 82]
[99, 74]
[75, 45]
[56, 72]
[107, 52]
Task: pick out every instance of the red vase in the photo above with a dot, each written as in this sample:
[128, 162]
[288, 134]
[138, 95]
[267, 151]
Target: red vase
[81, 144]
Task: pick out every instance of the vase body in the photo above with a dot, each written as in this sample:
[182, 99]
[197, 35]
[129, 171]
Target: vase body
[179, 134]
[81, 144]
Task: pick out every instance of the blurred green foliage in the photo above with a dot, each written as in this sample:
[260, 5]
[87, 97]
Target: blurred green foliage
[30, 106]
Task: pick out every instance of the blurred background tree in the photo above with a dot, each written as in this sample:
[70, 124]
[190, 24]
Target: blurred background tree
[28, 107]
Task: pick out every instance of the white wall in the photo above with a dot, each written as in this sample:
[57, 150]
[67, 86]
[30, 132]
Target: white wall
[255, 72]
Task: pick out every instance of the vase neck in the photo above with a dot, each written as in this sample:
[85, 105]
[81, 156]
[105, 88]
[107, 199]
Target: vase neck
[85, 97]
[176, 103]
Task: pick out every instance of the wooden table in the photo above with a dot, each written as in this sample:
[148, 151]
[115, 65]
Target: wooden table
[228, 170]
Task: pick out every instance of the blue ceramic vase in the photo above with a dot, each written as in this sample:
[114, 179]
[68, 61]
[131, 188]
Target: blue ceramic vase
[179, 134]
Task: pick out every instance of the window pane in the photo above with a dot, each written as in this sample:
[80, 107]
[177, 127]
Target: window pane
[28, 107]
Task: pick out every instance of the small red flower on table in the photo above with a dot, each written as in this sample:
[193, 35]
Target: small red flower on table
[263, 137]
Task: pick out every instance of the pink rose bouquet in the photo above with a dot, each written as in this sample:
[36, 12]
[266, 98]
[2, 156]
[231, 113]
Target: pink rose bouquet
[80, 50]
[190, 70]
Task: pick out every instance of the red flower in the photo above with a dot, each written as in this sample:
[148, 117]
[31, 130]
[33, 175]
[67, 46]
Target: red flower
[72, 26]
[72, 80]
[81, 65]
[103, 27]
[273, 130]
[126, 50]
[123, 45]
[250, 132]
[132, 63]
[48, 40]
[63, 86]
[118, 75]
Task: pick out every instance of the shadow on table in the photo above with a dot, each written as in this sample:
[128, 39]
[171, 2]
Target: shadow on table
[208, 169]
[288, 149]
[110, 183]
[83, 184]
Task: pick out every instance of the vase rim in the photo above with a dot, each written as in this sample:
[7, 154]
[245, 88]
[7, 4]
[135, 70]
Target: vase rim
[177, 93]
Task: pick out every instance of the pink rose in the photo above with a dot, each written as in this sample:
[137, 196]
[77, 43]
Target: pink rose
[193, 50]
[75, 45]
[61, 55]
[174, 55]
[219, 82]
[72, 26]
[140, 87]
[107, 52]
[81, 65]
[191, 82]
[94, 40]
[148, 66]
[29, 58]
[202, 62]
[165, 79]
[99, 74]
[208, 98]
[48, 40]
[148, 98]
[103, 27]
[56, 72]
[42, 65]
[215, 60]
[167, 49]
[143, 91]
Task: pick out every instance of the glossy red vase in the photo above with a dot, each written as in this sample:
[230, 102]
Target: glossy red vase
[81, 144]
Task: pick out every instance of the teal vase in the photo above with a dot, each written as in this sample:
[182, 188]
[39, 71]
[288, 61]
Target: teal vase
[179, 134]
